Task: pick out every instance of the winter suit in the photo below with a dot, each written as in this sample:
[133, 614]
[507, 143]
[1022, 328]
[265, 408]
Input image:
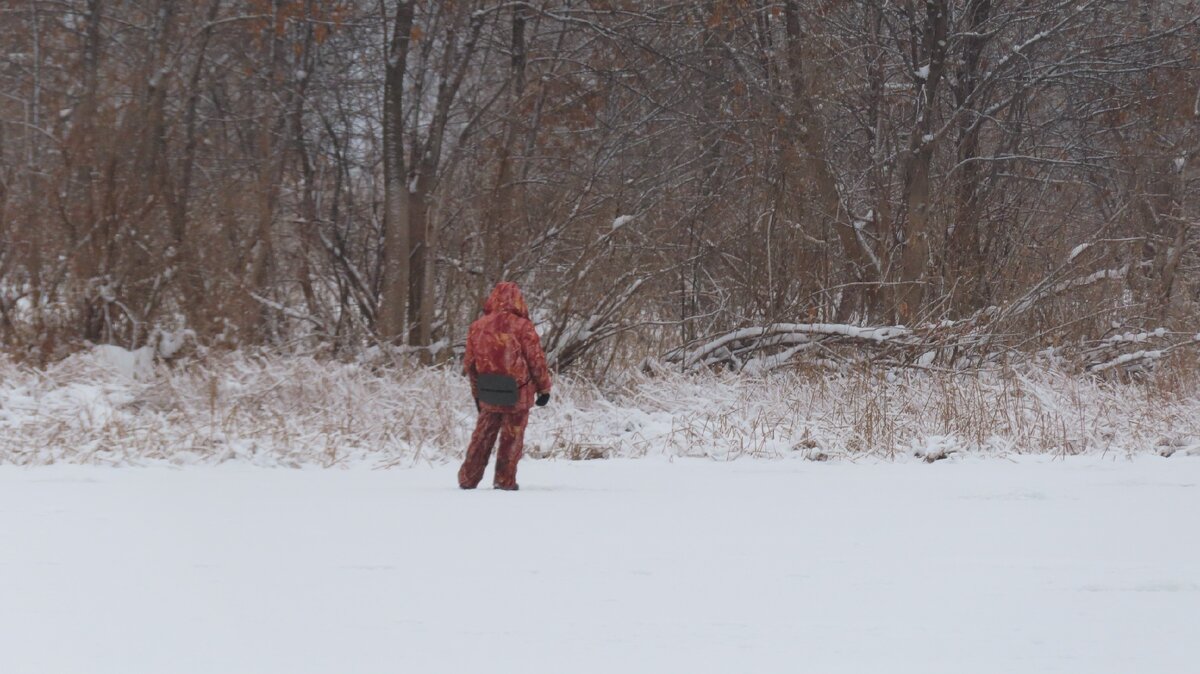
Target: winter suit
[503, 341]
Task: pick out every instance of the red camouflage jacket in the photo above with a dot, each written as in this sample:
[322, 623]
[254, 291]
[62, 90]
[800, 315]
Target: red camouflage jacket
[504, 341]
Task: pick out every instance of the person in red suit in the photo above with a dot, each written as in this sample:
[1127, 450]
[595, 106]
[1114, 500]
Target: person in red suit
[508, 373]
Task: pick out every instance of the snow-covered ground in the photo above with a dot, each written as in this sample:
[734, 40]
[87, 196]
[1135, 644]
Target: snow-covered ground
[1090, 564]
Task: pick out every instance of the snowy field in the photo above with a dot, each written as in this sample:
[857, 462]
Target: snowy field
[1087, 565]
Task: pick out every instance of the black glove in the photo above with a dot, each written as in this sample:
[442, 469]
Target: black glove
[542, 399]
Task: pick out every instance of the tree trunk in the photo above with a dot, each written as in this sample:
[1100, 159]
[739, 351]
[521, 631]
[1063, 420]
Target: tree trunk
[88, 229]
[418, 246]
[177, 196]
[915, 253]
[961, 263]
[253, 319]
[499, 213]
[810, 133]
[427, 159]
[393, 304]
[309, 214]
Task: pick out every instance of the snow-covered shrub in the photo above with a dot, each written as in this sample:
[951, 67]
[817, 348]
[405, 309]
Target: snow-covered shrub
[114, 406]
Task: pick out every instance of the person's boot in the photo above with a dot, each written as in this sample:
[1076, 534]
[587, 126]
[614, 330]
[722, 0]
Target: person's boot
[512, 487]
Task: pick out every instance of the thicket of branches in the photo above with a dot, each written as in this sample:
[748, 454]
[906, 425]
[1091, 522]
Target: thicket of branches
[1015, 173]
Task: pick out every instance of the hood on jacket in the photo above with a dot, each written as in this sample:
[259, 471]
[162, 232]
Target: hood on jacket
[506, 297]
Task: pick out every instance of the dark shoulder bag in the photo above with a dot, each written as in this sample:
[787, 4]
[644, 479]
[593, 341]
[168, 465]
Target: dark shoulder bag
[500, 390]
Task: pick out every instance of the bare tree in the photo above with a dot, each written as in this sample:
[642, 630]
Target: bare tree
[657, 175]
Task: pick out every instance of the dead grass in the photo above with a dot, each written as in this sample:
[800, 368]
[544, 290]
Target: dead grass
[293, 411]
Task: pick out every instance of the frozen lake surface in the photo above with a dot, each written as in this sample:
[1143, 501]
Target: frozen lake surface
[1084, 565]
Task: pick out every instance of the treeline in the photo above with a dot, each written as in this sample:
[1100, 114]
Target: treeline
[350, 172]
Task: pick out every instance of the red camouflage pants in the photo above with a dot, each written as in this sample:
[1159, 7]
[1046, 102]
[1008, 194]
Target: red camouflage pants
[511, 429]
